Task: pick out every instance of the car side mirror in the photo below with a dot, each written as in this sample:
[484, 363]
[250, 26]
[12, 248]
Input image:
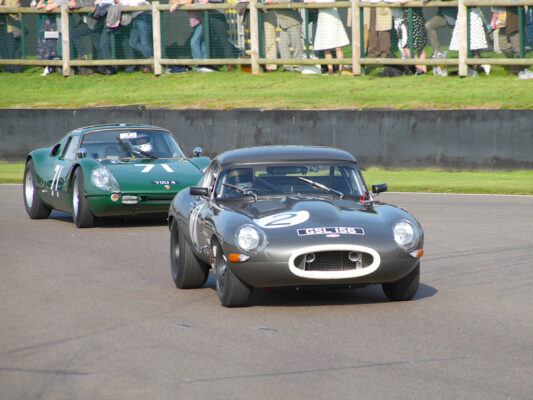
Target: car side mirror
[81, 153]
[198, 152]
[379, 188]
[198, 191]
[55, 150]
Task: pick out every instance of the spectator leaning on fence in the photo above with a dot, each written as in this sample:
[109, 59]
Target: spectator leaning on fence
[10, 34]
[290, 23]
[330, 33]
[419, 35]
[446, 16]
[270, 22]
[49, 35]
[378, 26]
[478, 38]
[509, 37]
[141, 30]
[118, 24]
[198, 45]
[86, 26]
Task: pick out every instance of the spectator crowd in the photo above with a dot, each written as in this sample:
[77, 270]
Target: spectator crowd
[388, 31]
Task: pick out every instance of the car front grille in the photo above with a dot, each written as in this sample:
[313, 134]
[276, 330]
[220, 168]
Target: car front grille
[333, 261]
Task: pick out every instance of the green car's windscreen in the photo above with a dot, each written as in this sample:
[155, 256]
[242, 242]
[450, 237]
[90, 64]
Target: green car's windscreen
[127, 143]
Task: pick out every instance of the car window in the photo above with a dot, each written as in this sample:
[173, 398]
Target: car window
[290, 179]
[126, 143]
[69, 153]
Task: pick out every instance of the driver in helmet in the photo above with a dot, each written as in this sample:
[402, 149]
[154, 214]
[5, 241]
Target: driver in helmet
[142, 142]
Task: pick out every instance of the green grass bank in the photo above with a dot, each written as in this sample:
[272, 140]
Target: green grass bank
[426, 181]
[286, 90]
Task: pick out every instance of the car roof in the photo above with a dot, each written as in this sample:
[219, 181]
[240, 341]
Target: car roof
[90, 128]
[283, 153]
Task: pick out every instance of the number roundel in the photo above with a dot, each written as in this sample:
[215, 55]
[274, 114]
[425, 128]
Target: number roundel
[283, 220]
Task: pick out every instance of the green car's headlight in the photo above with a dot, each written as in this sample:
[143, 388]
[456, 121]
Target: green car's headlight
[103, 179]
[406, 234]
[248, 238]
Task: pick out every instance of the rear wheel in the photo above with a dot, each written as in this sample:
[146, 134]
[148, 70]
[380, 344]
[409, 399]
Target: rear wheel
[188, 272]
[405, 288]
[81, 214]
[35, 208]
[231, 291]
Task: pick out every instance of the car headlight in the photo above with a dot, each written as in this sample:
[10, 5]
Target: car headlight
[248, 238]
[103, 179]
[406, 234]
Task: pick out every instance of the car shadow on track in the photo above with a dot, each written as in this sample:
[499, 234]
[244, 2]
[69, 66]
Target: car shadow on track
[322, 296]
[116, 222]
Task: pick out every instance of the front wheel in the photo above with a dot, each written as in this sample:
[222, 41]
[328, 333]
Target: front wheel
[231, 291]
[35, 208]
[81, 214]
[188, 272]
[405, 288]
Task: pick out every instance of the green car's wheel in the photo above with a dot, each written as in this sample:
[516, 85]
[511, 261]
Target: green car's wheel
[35, 208]
[188, 272]
[405, 288]
[231, 291]
[81, 214]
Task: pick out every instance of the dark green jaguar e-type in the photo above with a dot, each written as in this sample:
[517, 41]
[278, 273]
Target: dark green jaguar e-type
[109, 170]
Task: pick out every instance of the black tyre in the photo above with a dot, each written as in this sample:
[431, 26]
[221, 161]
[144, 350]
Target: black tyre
[231, 291]
[81, 214]
[35, 208]
[188, 272]
[405, 288]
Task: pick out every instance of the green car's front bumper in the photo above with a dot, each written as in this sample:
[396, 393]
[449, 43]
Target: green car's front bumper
[129, 204]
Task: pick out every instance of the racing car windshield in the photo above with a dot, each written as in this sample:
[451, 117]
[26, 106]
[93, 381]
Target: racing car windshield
[130, 143]
[340, 180]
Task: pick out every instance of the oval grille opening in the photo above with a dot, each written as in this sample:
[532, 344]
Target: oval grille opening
[332, 261]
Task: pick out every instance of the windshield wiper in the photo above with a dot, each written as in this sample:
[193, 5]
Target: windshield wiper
[129, 148]
[321, 186]
[244, 191]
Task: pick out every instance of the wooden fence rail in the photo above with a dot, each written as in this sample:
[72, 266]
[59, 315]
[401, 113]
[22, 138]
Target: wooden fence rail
[357, 61]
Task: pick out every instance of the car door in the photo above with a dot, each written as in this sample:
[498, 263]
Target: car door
[200, 230]
[60, 196]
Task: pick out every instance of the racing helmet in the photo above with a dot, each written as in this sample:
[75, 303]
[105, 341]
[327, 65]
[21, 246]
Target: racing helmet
[142, 142]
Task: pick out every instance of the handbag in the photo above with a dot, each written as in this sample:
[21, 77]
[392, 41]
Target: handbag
[499, 20]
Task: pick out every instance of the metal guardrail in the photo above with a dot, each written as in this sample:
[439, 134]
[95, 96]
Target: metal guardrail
[255, 61]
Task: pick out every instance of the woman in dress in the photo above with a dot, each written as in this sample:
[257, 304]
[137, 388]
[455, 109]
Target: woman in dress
[478, 38]
[49, 41]
[419, 36]
[330, 33]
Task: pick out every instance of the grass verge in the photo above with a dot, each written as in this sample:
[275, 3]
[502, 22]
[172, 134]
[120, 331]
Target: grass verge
[427, 181]
[286, 90]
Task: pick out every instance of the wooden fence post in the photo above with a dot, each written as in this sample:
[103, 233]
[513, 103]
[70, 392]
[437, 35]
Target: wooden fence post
[254, 37]
[156, 33]
[65, 40]
[356, 38]
[463, 45]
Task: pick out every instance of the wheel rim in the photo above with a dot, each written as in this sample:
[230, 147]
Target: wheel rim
[174, 253]
[75, 200]
[29, 190]
[221, 267]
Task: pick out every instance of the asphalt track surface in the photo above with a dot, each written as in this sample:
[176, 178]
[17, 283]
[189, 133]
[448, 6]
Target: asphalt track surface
[93, 314]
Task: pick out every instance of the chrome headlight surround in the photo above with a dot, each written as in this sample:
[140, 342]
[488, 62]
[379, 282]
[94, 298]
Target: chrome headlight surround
[406, 234]
[249, 238]
[103, 179]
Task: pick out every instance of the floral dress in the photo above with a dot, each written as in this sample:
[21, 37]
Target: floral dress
[47, 48]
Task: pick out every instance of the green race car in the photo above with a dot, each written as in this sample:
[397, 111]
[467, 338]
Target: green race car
[109, 170]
